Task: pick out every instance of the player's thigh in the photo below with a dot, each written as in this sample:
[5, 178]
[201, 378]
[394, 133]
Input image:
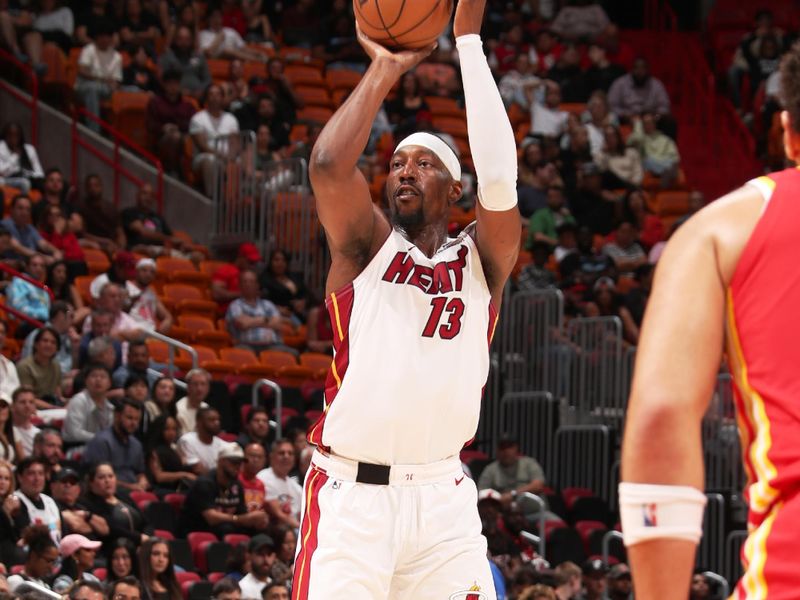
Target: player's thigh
[345, 547]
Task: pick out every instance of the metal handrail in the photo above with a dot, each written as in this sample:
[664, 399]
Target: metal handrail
[278, 402]
[22, 316]
[28, 278]
[172, 343]
[33, 103]
[721, 581]
[539, 501]
[607, 543]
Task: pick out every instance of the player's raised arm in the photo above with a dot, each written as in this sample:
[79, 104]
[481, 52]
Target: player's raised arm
[494, 152]
[661, 499]
[342, 194]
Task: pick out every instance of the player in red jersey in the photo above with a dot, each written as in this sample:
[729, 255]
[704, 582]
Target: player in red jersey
[730, 277]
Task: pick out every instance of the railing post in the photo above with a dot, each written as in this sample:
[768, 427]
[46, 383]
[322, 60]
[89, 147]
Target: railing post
[278, 402]
[116, 172]
[607, 543]
[542, 518]
[172, 343]
[721, 581]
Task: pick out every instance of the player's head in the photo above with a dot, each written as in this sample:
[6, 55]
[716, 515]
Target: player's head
[790, 95]
[424, 180]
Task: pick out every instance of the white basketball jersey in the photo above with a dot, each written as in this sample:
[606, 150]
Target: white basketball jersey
[411, 355]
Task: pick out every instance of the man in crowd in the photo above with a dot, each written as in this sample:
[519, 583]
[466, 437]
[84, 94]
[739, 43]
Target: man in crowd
[25, 238]
[61, 321]
[638, 92]
[262, 556]
[49, 447]
[625, 251]
[275, 591]
[123, 326]
[101, 322]
[284, 494]
[100, 218]
[201, 447]
[30, 505]
[620, 585]
[53, 194]
[146, 307]
[225, 281]
[147, 231]
[594, 580]
[167, 120]
[253, 322]
[512, 473]
[138, 364]
[190, 64]
[208, 127]
[226, 589]
[66, 489]
[255, 494]
[256, 428]
[198, 384]
[568, 581]
[118, 446]
[89, 411]
[23, 409]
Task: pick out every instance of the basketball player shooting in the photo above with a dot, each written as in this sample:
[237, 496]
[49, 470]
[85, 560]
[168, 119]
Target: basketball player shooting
[728, 276]
[388, 511]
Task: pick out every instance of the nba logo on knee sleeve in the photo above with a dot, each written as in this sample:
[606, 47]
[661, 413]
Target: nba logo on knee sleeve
[473, 593]
[649, 515]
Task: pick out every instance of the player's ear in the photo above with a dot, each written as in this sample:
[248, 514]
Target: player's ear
[791, 139]
[455, 192]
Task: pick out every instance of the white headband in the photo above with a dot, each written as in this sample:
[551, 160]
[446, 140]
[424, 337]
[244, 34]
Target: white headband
[439, 147]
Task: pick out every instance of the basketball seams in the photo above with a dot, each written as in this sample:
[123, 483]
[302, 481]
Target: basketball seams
[380, 16]
[363, 17]
[436, 11]
[433, 9]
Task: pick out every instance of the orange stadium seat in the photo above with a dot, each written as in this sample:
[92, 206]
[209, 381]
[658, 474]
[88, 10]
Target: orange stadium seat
[672, 203]
[342, 79]
[295, 376]
[183, 334]
[159, 351]
[444, 107]
[239, 356]
[318, 114]
[219, 68]
[254, 69]
[82, 284]
[128, 114]
[209, 267]
[314, 96]
[277, 358]
[294, 53]
[451, 125]
[253, 372]
[305, 75]
[219, 369]
[575, 108]
[96, 256]
[195, 322]
[166, 264]
[196, 279]
[181, 291]
[201, 308]
[316, 360]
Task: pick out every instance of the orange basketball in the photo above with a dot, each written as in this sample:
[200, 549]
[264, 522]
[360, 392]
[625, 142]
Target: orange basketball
[406, 24]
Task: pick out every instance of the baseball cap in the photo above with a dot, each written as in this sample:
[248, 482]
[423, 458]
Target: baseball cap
[73, 542]
[145, 262]
[231, 451]
[64, 474]
[249, 251]
[594, 567]
[619, 571]
[259, 541]
[127, 261]
[506, 441]
[489, 494]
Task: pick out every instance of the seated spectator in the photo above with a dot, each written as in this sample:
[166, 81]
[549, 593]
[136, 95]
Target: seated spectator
[25, 239]
[538, 591]
[625, 251]
[9, 380]
[256, 428]
[438, 75]
[635, 210]
[253, 322]
[31, 506]
[101, 321]
[620, 586]
[262, 557]
[255, 494]
[10, 449]
[139, 76]
[605, 302]
[532, 189]
[580, 20]
[167, 122]
[225, 280]
[146, 307]
[41, 557]
[124, 520]
[64, 292]
[87, 590]
[126, 587]
[201, 447]
[701, 587]
[764, 28]
[60, 322]
[219, 41]
[278, 86]
[140, 29]
[596, 118]
[402, 111]
[138, 364]
[636, 299]
[284, 494]
[569, 76]
[99, 70]
[56, 230]
[118, 446]
[89, 411]
[264, 153]
[602, 73]
[215, 501]
[198, 384]
[511, 45]
[78, 553]
[546, 117]
[536, 276]
[23, 409]
[512, 473]
[92, 15]
[123, 326]
[545, 222]
[286, 545]
[263, 110]
[568, 580]
[162, 398]
[41, 370]
[48, 445]
[165, 465]
[659, 151]
[575, 149]
[183, 58]
[100, 218]
[157, 571]
[147, 231]
[226, 589]
[592, 205]
[19, 163]
[518, 84]
[285, 290]
[209, 129]
[121, 271]
[301, 23]
[54, 193]
[594, 579]
[638, 92]
[122, 560]
[320, 330]
[101, 351]
[621, 164]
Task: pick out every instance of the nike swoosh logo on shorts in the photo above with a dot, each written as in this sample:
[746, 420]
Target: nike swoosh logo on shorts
[460, 480]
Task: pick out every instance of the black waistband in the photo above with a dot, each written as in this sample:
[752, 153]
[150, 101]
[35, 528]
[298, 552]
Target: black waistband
[374, 474]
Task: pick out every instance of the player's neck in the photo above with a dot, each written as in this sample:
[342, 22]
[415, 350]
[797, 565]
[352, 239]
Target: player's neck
[428, 238]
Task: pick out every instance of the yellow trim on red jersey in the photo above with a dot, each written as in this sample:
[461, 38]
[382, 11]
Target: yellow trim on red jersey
[755, 558]
[308, 518]
[336, 313]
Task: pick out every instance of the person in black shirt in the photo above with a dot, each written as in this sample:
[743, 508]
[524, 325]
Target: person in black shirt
[215, 502]
[75, 518]
[138, 75]
[146, 231]
[165, 467]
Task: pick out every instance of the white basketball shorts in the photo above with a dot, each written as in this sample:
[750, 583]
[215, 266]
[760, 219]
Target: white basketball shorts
[419, 537]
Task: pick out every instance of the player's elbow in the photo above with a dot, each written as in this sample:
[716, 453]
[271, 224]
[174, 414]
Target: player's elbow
[322, 161]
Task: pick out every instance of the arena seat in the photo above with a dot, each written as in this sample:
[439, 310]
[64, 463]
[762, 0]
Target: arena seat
[100, 573]
[239, 356]
[316, 114]
[159, 351]
[219, 369]
[215, 576]
[564, 544]
[444, 107]
[141, 499]
[590, 508]
[236, 539]
[251, 372]
[277, 358]
[571, 494]
[314, 96]
[209, 267]
[176, 501]
[586, 528]
[199, 590]
[313, 360]
[219, 68]
[128, 113]
[342, 79]
[294, 375]
[213, 338]
[160, 515]
[181, 554]
[164, 534]
[195, 322]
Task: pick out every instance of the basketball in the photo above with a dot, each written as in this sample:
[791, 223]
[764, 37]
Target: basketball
[408, 24]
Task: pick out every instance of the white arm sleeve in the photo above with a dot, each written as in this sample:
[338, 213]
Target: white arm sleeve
[491, 139]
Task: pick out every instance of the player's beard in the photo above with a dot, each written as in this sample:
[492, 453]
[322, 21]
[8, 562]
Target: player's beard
[408, 221]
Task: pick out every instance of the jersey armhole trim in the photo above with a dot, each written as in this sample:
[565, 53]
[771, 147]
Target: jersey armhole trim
[766, 186]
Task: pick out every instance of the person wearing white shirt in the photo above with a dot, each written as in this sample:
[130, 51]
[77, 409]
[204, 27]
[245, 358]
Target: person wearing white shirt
[99, 71]
[198, 383]
[223, 42]
[284, 494]
[209, 129]
[201, 448]
[546, 118]
[9, 381]
[262, 556]
[19, 162]
[23, 408]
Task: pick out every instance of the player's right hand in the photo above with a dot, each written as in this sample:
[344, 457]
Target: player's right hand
[403, 60]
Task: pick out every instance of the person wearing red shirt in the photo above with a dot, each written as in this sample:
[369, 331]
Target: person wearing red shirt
[225, 281]
[255, 494]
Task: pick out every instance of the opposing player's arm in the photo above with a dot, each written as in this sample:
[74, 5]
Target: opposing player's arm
[676, 365]
[344, 204]
[494, 152]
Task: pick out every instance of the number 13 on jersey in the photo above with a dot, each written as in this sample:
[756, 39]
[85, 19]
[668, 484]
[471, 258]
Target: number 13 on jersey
[454, 307]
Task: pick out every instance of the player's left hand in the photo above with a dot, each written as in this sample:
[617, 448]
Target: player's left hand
[402, 59]
[469, 17]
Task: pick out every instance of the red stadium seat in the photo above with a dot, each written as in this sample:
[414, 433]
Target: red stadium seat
[176, 501]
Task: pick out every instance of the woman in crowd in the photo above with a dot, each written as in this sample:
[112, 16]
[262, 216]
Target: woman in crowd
[78, 553]
[409, 101]
[59, 284]
[19, 163]
[42, 555]
[56, 229]
[28, 298]
[9, 380]
[124, 520]
[621, 164]
[605, 302]
[286, 290]
[122, 560]
[41, 370]
[162, 400]
[10, 449]
[635, 210]
[165, 466]
[157, 573]
[286, 541]
[6, 480]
